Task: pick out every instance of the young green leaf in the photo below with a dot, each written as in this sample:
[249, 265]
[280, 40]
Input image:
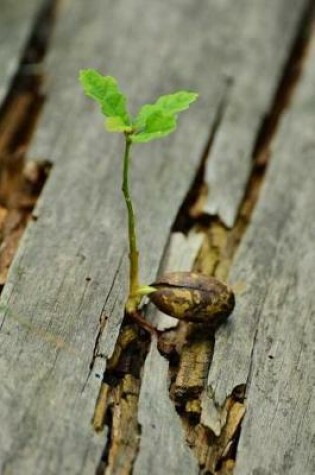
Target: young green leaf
[161, 116]
[105, 90]
[157, 125]
[177, 102]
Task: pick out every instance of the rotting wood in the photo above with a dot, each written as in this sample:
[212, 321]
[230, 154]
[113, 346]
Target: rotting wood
[117, 404]
[23, 97]
[23, 195]
[121, 413]
[77, 229]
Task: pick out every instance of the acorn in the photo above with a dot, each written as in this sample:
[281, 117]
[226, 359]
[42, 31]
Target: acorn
[193, 297]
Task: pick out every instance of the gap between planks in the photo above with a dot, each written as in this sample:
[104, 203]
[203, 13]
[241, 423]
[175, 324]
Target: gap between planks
[21, 182]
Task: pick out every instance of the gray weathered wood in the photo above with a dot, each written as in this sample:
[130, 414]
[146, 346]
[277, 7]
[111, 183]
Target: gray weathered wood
[16, 22]
[281, 386]
[268, 343]
[69, 273]
[181, 253]
[162, 446]
[258, 71]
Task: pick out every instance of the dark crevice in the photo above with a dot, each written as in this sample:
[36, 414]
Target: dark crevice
[186, 216]
[102, 323]
[288, 82]
[117, 404]
[21, 182]
[189, 349]
[190, 213]
[108, 421]
[24, 100]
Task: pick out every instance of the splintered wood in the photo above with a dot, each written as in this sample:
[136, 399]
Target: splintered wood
[85, 390]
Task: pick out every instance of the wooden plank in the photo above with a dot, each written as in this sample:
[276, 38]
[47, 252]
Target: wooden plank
[16, 23]
[59, 289]
[260, 66]
[161, 426]
[268, 342]
[69, 273]
[278, 432]
[162, 446]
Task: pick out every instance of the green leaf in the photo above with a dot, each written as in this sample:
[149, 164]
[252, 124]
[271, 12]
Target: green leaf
[105, 90]
[162, 114]
[116, 124]
[177, 102]
[157, 125]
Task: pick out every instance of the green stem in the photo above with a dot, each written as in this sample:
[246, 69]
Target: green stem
[133, 298]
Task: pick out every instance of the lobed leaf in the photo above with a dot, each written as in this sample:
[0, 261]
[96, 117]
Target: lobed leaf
[177, 102]
[105, 91]
[153, 120]
[157, 125]
[163, 114]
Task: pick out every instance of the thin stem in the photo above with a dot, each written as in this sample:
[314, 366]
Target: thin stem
[133, 299]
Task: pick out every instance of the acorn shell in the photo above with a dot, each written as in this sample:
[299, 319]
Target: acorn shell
[193, 297]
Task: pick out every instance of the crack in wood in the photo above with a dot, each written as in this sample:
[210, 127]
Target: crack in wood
[24, 100]
[21, 182]
[188, 348]
[290, 77]
[117, 403]
[191, 209]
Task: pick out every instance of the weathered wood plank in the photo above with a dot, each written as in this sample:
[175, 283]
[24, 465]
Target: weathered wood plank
[16, 22]
[161, 426]
[259, 69]
[279, 429]
[59, 288]
[69, 273]
[268, 342]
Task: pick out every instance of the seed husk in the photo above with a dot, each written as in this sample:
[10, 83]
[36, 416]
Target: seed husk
[193, 297]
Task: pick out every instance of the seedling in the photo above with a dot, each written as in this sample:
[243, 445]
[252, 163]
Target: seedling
[177, 292]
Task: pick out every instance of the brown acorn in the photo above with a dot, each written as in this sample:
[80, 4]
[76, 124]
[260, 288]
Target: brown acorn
[193, 297]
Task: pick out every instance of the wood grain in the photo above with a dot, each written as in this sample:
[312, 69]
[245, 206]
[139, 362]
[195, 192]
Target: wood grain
[279, 429]
[65, 291]
[259, 70]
